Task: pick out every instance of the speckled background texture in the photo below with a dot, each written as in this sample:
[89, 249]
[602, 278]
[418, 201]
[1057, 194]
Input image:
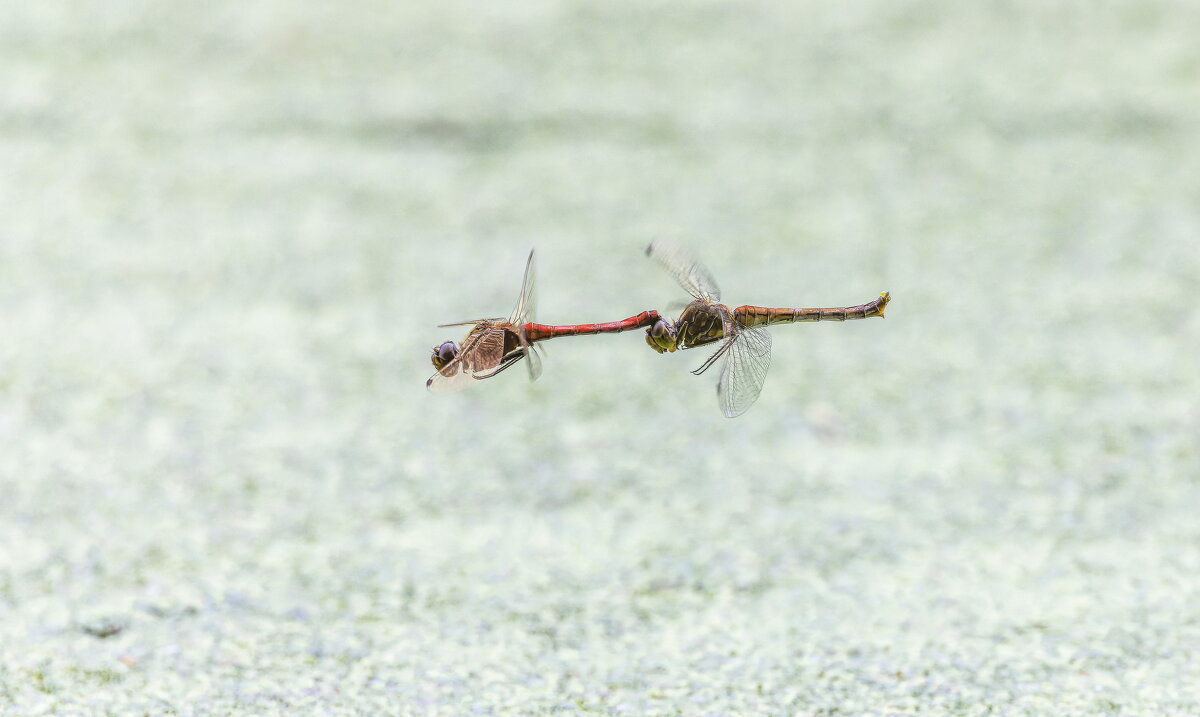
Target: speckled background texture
[228, 231]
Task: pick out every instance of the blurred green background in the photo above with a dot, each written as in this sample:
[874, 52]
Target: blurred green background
[227, 234]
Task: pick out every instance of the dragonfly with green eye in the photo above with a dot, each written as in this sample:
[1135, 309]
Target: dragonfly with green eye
[744, 353]
[493, 345]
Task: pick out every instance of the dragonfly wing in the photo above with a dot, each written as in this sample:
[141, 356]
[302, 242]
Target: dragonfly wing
[472, 322]
[744, 370]
[526, 307]
[524, 312]
[450, 378]
[686, 268]
[533, 354]
[480, 356]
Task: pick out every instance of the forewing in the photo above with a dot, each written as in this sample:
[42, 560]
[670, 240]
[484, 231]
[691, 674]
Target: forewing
[479, 357]
[686, 268]
[524, 312]
[744, 370]
[526, 307]
[450, 378]
[472, 322]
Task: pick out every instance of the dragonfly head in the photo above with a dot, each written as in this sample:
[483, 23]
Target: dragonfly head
[661, 336]
[444, 354]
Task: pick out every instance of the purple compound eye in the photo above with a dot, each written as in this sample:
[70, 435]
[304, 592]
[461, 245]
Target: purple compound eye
[444, 354]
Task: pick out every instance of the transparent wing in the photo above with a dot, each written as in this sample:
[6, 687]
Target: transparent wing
[686, 268]
[523, 313]
[743, 370]
[443, 382]
[472, 322]
[526, 304]
[480, 356]
[533, 354]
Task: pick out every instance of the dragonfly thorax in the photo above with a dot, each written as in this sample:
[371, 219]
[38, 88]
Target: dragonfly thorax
[700, 323]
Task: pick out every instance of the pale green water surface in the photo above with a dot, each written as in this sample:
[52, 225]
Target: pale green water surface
[228, 230]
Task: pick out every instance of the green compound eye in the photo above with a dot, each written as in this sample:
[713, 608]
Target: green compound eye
[661, 336]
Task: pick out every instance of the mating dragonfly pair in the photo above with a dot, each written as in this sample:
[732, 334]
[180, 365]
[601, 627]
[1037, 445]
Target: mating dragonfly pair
[744, 353]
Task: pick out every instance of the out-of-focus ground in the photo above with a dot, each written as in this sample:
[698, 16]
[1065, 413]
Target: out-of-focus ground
[228, 231]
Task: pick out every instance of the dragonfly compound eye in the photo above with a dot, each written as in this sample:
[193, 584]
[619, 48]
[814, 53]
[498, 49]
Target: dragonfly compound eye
[444, 354]
[661, 336]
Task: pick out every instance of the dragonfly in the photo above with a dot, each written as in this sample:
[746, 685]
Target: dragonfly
[493, 345]
[744, 353]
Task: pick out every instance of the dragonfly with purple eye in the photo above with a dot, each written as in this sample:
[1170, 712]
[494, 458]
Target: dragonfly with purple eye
[493, 345]
[744, 353]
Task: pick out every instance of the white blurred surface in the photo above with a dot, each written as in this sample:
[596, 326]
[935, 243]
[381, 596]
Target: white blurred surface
[228, 231]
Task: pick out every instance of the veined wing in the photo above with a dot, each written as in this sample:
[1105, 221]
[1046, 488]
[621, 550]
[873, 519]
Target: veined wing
[526, 304]
[524, 313]
[686, 268]
[743, 370]
[471, 322]
[480, 356]
[533, 359]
